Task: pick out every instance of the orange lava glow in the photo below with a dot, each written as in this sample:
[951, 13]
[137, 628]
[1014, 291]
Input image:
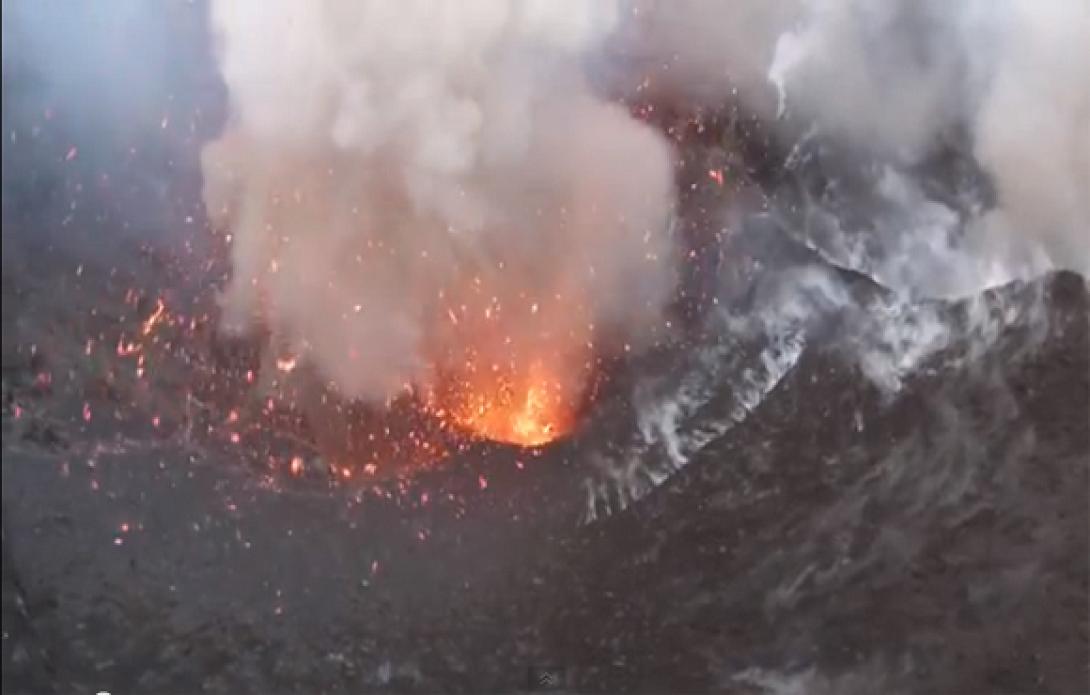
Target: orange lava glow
[526, 410]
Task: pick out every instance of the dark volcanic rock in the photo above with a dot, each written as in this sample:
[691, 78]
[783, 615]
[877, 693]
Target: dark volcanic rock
[840, 542]
[844, 537]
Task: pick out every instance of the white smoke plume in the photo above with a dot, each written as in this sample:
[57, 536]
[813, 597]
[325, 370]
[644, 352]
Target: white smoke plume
[895, 78]
[419, 188]
[414, 187]
[1033, 128]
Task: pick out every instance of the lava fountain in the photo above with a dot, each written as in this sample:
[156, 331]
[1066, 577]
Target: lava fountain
[527, 409]
[508, 367]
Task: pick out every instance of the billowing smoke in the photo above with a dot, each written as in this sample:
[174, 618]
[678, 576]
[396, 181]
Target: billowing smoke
[1032, 128]
[898, 79]
[419, 191]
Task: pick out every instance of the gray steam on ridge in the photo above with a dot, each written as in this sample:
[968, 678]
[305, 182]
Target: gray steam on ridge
[895, 79]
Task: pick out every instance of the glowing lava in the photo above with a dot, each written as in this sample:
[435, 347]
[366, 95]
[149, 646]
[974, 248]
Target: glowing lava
[530, 410]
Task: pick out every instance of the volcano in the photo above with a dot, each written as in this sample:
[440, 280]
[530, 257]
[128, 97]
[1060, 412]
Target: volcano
[818, 478]
[809, 528]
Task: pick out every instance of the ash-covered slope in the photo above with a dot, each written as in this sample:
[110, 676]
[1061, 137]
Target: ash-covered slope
[846, 538]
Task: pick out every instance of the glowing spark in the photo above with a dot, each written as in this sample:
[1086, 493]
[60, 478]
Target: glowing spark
[505, 402]
[125, 349]
[154, 319]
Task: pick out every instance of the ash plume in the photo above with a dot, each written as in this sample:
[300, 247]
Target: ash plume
[897, 80]
[1033, 128]
[415, 191]
[418, 188]
[899, 77]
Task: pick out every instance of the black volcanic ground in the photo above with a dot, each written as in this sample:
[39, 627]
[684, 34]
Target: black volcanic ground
[838, 539]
